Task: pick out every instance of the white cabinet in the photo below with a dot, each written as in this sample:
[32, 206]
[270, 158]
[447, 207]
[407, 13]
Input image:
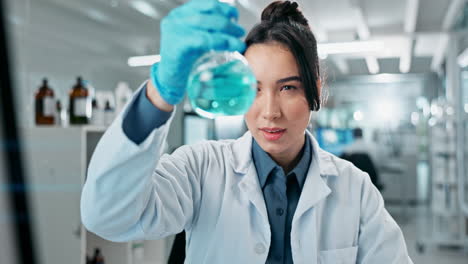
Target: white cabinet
[56, 160]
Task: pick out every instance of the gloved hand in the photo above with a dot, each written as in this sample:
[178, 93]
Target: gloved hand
[187, 33]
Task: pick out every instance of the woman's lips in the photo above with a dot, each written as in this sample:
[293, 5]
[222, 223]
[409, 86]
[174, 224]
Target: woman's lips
[273, 133]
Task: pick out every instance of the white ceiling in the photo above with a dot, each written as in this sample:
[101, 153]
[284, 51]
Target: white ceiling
[107, 32]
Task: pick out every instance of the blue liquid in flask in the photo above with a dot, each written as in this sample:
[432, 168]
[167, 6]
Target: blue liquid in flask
[221, 84]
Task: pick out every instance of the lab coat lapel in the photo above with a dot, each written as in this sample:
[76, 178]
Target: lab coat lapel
[249, 185]
[315, 187]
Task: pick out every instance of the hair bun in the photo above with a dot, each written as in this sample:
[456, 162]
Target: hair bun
[283, 11]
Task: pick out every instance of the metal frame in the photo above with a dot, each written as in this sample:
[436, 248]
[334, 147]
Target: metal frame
[11, 148]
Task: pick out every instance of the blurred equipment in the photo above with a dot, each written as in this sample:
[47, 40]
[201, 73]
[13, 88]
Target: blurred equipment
[334, 140]
[97, 117]
[197, 129]
[104, 108]
[98, 258]
[109, 114]
[364, 163]
[123, 94]
[359, 154]
[229, 127]
[60, 114]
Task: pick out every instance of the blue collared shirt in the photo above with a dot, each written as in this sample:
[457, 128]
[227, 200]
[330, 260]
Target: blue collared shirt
[281, 193]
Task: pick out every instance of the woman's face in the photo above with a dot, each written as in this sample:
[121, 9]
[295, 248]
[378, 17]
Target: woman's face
[280, 113]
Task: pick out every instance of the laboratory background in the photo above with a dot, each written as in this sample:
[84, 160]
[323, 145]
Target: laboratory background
[397, 70]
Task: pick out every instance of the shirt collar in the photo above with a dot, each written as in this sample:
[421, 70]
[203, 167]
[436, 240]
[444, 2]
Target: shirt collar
[264, 164]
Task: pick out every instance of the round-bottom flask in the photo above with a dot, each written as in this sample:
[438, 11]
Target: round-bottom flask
[221, 84]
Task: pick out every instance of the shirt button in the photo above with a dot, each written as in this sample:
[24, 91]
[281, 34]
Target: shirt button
[279, 211]
[259, 248]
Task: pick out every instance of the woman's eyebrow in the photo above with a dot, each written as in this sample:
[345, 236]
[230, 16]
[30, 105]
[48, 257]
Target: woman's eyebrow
[288, 79]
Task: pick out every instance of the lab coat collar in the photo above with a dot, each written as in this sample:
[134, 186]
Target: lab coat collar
[241, 157]
[315, 187]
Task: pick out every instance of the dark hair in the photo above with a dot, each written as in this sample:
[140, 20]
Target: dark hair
[357, 132]
[282, 22]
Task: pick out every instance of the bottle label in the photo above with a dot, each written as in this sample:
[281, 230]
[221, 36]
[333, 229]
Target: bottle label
[49, 106]
[81, 105]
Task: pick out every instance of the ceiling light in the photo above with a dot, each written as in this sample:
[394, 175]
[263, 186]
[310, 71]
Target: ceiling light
[145, 8]
[143, 60]
[324, 49]
[350, 47]
[463, 58]
[97, 15]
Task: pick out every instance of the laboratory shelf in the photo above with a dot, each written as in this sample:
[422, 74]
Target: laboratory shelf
[57, 160]
[449, 223]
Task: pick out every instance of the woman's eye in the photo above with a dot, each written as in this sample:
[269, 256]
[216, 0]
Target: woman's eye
[288, 87]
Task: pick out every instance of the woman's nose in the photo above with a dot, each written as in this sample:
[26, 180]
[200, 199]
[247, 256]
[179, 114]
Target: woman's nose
[271, 107]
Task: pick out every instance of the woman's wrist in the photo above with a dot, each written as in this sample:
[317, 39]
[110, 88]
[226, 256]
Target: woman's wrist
[155, 98]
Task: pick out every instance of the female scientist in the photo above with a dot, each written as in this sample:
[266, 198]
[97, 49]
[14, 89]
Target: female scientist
[271, 196]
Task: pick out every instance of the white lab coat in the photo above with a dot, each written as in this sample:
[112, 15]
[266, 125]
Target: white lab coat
[211, 190]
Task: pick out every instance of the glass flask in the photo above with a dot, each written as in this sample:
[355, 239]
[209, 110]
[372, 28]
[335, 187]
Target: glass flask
[221, 84]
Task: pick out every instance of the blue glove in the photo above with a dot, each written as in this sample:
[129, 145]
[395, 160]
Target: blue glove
[188, 32]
